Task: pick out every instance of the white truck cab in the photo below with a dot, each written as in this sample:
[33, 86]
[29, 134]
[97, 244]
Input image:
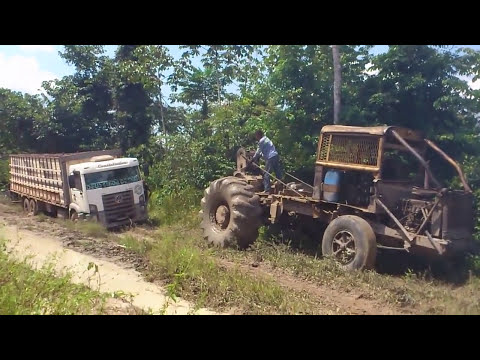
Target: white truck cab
[107, 189]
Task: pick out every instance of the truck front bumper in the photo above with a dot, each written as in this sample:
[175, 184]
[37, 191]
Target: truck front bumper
[140, 215]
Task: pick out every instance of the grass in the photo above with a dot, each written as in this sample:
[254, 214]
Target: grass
[4, 199]
[174, 207]
[418, 291]
[4, 173]
[184, 259]
[132, 243]
[41, 217]
[89, 228]
[13, 208]
[196, 272]
[193, 273]
[24, 291]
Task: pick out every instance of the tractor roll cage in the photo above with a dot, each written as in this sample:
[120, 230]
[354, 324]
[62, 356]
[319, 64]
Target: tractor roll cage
[362, 149]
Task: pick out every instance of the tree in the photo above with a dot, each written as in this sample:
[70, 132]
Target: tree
[419, 87]
[337, 83]
[79, 104]
[198, 87]
[225, 64]
[298, 92]
[19, 116]
[137, 90]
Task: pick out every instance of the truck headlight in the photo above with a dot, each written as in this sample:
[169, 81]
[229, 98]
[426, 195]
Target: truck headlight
[141, 200]
[138, 189]
[93, 209]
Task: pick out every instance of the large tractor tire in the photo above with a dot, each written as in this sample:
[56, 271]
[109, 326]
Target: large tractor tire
[231, 213]
[350, 240]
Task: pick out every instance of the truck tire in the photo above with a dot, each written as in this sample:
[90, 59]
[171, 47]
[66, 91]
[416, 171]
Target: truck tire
[33, 207]
[350, 240]
[231, 213]
[74, 216]
[26, 206]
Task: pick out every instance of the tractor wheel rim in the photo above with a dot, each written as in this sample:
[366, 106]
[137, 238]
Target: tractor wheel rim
[222, 217]
[343, 247]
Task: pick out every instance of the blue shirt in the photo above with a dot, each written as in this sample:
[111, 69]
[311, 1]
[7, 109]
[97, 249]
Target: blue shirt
[266, 149]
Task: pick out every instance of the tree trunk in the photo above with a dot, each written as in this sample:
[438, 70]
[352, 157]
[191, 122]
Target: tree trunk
[161, 113]
[337, 82]
[162, 118]
[218, 87]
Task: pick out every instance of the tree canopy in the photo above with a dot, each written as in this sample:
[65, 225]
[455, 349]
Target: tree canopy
[222, 93]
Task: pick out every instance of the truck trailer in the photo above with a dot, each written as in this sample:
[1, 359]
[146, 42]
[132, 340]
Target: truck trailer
[95, 185]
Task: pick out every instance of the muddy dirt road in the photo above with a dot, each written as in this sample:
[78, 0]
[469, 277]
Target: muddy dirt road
[114, 274]
[120, 270]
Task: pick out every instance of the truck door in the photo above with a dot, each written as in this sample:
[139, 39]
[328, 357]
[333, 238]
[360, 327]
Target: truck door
[77, 191]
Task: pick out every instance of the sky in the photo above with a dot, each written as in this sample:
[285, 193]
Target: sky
[24, 67]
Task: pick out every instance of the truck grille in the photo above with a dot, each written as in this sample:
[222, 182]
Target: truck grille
[118, 206]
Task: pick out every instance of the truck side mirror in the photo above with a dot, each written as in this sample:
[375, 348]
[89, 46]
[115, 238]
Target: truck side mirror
[71, 181]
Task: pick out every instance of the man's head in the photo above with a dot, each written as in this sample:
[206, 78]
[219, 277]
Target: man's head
[258, 134]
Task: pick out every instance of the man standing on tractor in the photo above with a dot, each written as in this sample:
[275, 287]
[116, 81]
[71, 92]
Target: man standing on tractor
[266, 149]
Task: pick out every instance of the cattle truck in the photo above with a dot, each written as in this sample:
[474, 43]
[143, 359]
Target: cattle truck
[95, 185]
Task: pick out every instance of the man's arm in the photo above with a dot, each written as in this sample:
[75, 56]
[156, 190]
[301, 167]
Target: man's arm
[257, 155]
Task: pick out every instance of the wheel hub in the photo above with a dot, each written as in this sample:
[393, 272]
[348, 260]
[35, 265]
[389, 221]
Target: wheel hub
[344, 247]
[222, 216]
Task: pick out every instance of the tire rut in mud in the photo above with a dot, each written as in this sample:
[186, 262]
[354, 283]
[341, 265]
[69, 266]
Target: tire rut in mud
[353, 303]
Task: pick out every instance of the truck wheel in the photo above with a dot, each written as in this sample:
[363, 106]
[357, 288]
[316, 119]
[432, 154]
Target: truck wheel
[33, 207]
[26, 206]
[74, 216]
[231, 213]
[351, 241]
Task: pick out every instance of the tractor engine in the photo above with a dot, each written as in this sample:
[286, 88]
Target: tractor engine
[413, 213]
[450, 219]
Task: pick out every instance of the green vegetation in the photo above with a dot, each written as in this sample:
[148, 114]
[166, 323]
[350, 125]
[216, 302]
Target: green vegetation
[88, 228]
[175, 206]
[221, 279]
[4, 174]
[134, 244]
[417, 291]
[24, 291]
[192, 272]
[287, 90]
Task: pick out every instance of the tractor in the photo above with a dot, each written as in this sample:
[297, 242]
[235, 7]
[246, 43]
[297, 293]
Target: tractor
[373, 189]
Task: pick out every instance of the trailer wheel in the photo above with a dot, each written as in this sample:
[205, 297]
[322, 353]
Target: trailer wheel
[26, 206]
[231, 213]
[350, 240]
[33, 207]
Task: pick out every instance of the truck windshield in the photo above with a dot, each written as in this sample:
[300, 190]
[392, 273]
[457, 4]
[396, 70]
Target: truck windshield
[109, 178]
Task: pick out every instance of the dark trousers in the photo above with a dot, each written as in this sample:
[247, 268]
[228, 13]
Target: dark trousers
[271, 164]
